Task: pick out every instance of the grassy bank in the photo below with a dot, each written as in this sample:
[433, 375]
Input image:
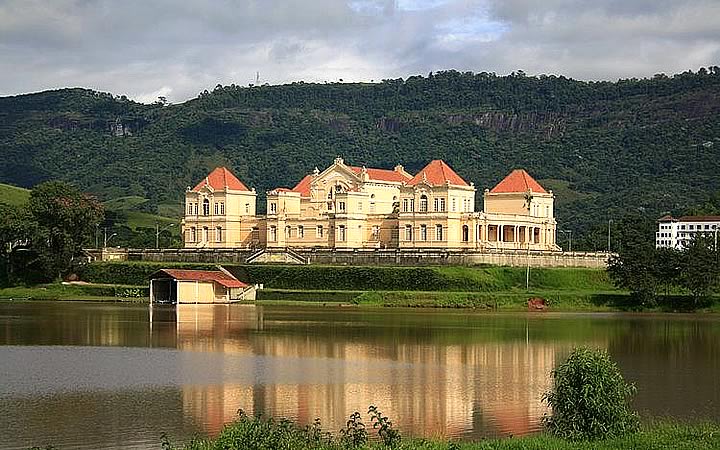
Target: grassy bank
[258, 435]
[57, 291]
[366, 278]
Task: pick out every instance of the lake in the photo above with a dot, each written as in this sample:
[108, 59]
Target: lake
[93, 375]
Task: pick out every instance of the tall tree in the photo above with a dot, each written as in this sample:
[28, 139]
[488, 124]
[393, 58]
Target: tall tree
[635, 267]
[65, 219]
[699, 269]
[16, 228]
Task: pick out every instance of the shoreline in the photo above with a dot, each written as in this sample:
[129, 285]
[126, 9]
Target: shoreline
[570, 301]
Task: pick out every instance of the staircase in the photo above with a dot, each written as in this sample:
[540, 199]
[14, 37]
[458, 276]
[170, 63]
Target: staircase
[277, 256]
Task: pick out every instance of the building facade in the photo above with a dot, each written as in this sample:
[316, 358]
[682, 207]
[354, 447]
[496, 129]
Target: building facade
[350, 207]
[677, 233]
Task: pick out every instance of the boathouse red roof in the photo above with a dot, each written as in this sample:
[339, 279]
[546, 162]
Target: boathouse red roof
[217, 276]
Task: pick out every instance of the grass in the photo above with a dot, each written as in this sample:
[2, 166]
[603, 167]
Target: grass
[57, 291]
[261, 434]
[13, 195]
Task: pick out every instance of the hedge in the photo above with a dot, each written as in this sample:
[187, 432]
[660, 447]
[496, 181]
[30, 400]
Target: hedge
[366, 278]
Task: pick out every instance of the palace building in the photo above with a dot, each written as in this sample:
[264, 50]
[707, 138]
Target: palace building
[350, 207]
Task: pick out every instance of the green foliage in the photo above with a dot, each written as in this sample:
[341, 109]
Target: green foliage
[65, 218]
[593, 140]
[389, 436]
[589, 398]
[354, 434]
[635, 267]
[644, 269]
[367, 278]
[699, 269]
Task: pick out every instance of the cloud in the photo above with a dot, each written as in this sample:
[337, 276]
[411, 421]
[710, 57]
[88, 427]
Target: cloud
[147, 48]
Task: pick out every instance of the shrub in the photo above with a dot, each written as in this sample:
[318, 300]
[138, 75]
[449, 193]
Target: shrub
[589, 398]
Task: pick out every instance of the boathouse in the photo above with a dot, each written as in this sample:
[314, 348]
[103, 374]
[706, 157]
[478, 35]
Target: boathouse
[198, 286]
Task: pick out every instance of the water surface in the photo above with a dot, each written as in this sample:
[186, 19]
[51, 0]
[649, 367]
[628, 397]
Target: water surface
[87, 375]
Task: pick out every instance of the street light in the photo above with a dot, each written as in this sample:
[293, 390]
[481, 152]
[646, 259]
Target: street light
[107, 238]
[158, 231]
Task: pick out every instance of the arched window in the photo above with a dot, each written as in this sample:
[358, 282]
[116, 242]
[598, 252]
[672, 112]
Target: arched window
[206, 207]
[423, 203]
[465, 233]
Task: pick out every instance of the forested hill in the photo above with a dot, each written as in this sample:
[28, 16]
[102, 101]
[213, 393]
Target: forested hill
[604, 148]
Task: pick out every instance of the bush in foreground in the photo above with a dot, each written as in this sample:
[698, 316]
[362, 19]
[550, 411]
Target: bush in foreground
[589, 398]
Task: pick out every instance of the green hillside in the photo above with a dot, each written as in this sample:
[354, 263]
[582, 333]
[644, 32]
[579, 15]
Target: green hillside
[646, 145]
[13, 195]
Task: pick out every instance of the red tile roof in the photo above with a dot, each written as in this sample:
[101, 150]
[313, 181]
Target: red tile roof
[303, 187]
[220, 179]
[204, 275]
[437, 173]
[699, 219]
[518, 181]
[382, 174]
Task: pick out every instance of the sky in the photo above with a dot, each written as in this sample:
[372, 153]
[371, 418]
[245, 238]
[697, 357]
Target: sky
[177, 48]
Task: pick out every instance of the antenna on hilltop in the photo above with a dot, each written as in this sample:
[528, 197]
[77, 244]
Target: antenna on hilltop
[257, 77]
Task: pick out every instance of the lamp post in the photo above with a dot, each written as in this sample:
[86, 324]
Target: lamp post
[107, 238]
[158, 231]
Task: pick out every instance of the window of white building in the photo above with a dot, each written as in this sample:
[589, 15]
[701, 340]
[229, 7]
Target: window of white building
[301, 231]
[341, 233]
[423, 232]
[438, 232]
[319, 231]
[408, 233]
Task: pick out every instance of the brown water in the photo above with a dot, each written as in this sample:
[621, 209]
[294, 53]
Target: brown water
[84, 375]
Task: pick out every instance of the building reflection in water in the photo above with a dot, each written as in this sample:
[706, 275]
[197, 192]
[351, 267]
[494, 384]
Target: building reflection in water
[428, 382]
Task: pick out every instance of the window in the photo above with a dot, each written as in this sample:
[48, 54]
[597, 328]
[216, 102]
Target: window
[218, 234]
[341, 206]
[206, 234]
[423, 232]
[423, 203]
[301, 231]
[359, 206]
[376, 232]
[319, 231]
[408, 233]
[442, 205]
[206, 207]
[707, 227]
[438, 232]
[247, 208]
[288, 231]
[437, 204]
[372, 203]
[690, 227]
[412, 204]
[273, 208]
[272, 233]
[222, 208]
[193, 234]
[217, 208]
[196, 208]
[341, 233]
[405, 205]
[189, 208]
[465, 233]
[682, 227]
[453, 205]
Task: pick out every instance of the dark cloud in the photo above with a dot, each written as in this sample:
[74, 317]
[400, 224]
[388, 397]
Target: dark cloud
[146, 48]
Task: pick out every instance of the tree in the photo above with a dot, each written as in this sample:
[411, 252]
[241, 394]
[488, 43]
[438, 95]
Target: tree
[699, 268]
[65, 218]
[635, 267]
[15, 229]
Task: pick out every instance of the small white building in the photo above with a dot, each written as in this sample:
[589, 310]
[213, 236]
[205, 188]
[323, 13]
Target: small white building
[676, 233]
